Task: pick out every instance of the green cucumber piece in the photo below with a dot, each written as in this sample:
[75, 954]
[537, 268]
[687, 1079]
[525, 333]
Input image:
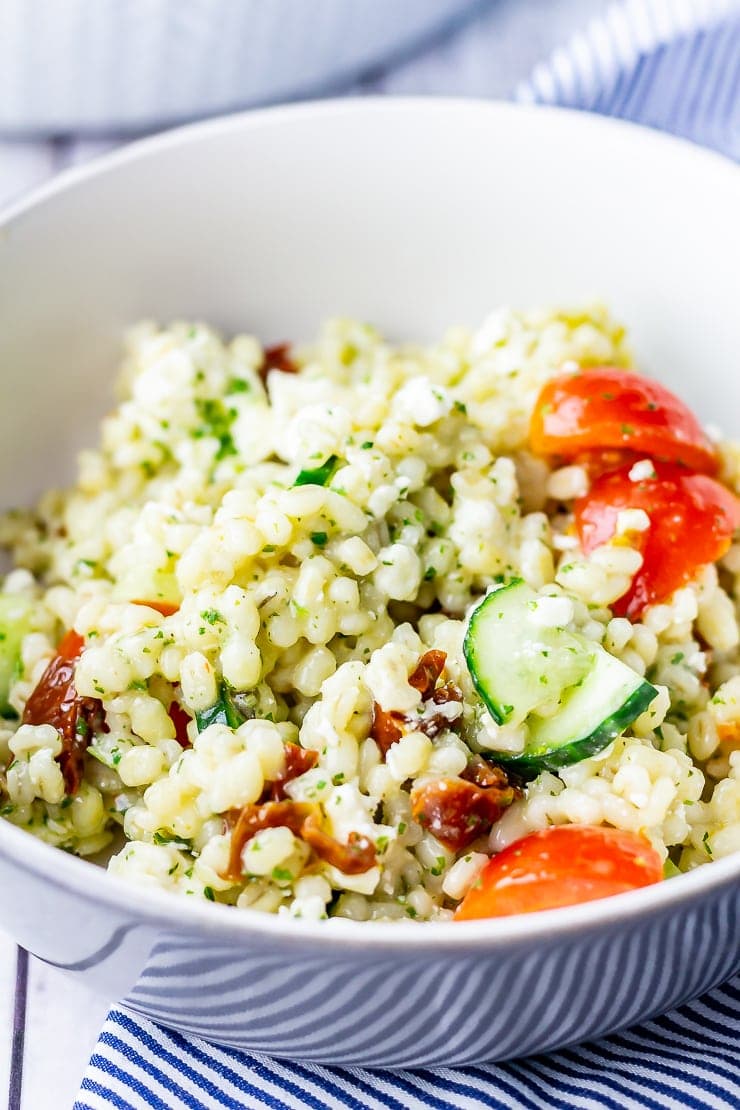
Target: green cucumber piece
[517, 665]
[590, 717]
[15, 623]
[596, 696]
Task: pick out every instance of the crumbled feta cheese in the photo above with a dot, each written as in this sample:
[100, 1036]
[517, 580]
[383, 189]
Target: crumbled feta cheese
[422, 403]
[632, 520]
[552, 612]
[642, 470]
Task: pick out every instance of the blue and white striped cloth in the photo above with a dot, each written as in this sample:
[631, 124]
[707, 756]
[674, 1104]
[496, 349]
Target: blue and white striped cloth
[670, 64]
[675, 65]
[686, 1059]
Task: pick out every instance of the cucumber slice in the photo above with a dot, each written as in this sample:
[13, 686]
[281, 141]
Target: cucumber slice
[518, 666]
[571, 695]
[15, 623]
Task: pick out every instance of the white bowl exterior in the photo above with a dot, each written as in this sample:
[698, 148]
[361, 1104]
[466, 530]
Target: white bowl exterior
[390, 996]
[415, 215]
[105, 65]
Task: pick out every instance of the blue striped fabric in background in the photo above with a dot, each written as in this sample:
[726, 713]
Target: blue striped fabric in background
[670, 64]
[674, 65]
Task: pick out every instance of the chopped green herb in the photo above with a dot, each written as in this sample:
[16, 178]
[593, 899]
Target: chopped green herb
[319, 538]
[208, 892]
[216, 421]
[223, 712]
[238, 385]
[320, 475]
[213, 616]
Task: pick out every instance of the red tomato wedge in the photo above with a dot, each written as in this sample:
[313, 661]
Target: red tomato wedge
[604, 407]
[166, 608]
[561, 866]
[692, 520]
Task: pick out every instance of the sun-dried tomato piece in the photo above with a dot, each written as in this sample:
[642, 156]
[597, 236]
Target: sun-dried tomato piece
[353, 858]
[386, 728]
[304, 820]
[298, 760]
[55, 702]
[448, 692]
[277, 357]
[432, 725]
[483, 773]
[251, 819]
[180, 720]
[424, 677]
[458, 812]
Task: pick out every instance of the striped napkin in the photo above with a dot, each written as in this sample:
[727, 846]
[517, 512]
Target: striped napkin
[671, 64]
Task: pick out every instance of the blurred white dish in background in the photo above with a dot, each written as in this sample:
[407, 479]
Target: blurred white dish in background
[122, 66]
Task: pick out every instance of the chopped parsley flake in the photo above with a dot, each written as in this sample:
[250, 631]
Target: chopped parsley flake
[213, 616]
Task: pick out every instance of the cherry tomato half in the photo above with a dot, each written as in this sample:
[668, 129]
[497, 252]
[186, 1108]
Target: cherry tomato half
[561, 866]
[692, 519]
[604, 407]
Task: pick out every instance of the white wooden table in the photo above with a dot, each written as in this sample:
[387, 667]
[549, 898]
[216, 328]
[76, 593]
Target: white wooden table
[48, 1022]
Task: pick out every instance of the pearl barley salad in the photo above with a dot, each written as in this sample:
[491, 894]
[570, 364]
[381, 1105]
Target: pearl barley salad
[382, 632]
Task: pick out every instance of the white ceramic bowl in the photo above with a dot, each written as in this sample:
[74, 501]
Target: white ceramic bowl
[413, 214]
[110, 65]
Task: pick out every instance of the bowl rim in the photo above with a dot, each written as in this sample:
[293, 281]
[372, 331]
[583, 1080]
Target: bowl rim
[255, 119]
[165, 909]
